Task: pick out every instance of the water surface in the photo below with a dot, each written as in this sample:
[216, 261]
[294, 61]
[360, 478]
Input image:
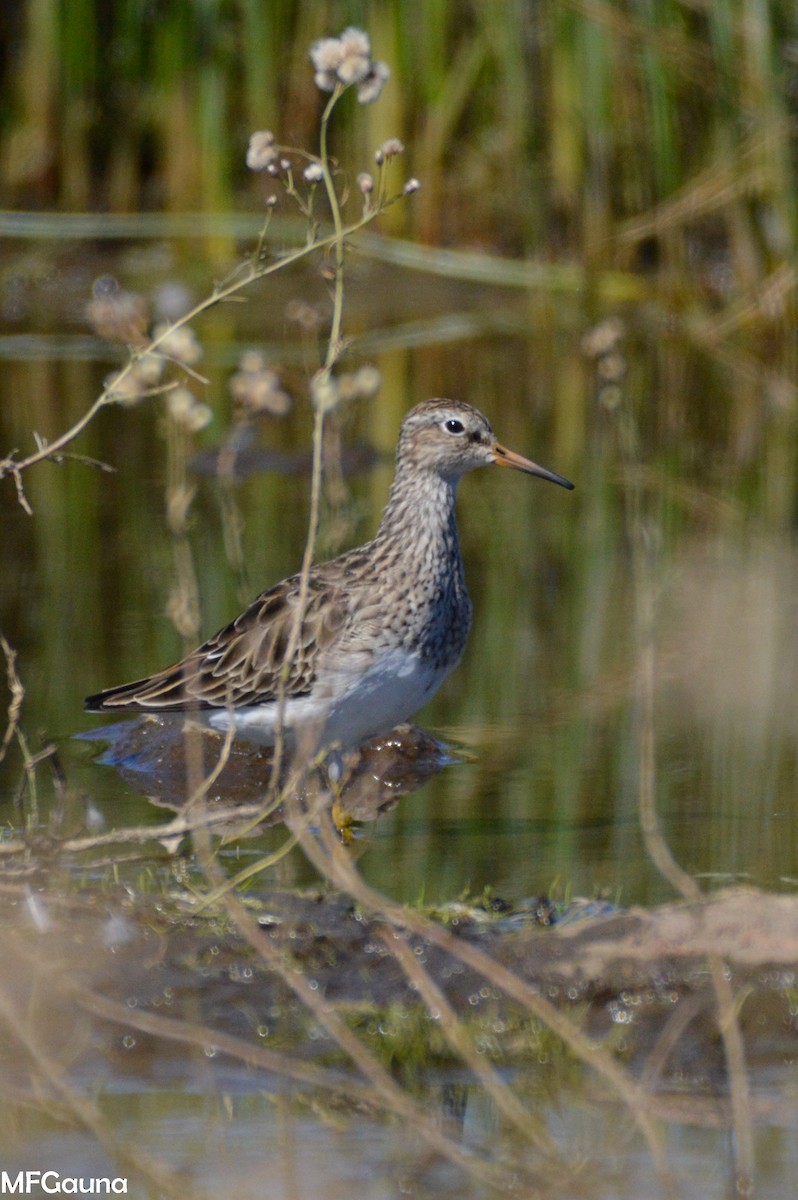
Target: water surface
[681, 530]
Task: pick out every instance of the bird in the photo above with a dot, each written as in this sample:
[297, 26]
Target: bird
[382, 624]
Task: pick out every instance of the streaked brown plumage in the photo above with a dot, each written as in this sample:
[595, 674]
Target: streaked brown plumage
[383, 624]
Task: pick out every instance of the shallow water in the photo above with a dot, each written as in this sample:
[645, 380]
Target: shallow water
[681, 530]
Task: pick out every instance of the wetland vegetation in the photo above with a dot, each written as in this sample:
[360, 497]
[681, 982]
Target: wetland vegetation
[558, 956]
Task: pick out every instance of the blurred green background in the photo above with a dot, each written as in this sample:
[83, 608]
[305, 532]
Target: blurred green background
[606, 130]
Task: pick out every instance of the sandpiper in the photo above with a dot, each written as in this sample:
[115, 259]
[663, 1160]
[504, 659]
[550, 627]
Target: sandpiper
[383, 625]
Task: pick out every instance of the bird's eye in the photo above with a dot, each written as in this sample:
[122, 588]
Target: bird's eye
[454, 426]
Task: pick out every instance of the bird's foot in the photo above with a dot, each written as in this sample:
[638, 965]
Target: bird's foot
[342, 820]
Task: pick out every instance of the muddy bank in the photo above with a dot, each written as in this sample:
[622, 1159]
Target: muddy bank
[629, 971]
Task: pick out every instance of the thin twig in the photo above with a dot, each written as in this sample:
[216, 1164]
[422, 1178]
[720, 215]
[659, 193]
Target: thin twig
[462, 1044]
[157, 1174]
[191, 1033]
[319, 410]
[172, 831]
[251, 273]
[390, 1094]
[17, 695]
[332, 859]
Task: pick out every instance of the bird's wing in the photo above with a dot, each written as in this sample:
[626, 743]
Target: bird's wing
[243, 663]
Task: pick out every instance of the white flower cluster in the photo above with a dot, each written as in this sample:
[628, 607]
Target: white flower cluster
[388, 149]
[328, 390]
[116, 314]
[262, 151]
[256, 386]
[346, 60]
[186, 410]
[181, 345]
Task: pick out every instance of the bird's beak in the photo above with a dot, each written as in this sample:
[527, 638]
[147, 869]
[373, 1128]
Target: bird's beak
[508, 458]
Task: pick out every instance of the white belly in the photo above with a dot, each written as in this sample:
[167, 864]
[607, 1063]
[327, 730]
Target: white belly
[395, 687]
[347, 708]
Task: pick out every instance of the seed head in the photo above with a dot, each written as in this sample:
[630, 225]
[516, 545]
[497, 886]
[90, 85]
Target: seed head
[181, 344]
[117, 314]
[324, 390]
[367, 382]
[125, 388]
[611, 368]
[347, 60]
[149, 369]
[603, 338]
[256, 387]
[326, 54]
[371, 87]
[261, 151]
[186, 410]
[363, 384]
[172, 300]
[391, 148]
[303, 314]
[355, 64]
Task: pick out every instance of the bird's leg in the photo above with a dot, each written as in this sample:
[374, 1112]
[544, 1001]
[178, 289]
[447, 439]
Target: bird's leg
[335, 778]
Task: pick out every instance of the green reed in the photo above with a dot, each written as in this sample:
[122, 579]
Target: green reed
[575, 127]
